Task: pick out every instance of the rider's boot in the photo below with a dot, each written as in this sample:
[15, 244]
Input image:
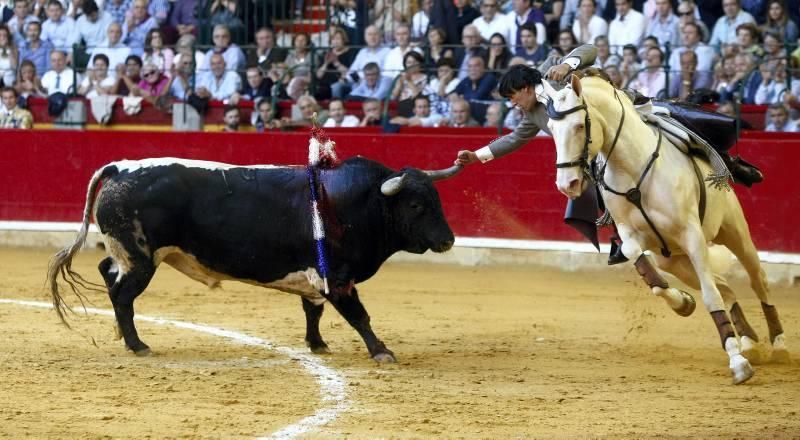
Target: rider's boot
[743, 172]
[616, 256]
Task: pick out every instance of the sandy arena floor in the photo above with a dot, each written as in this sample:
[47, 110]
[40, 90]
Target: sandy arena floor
[484, 352]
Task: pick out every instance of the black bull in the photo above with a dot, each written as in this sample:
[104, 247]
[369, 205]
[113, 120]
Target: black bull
[253, 224]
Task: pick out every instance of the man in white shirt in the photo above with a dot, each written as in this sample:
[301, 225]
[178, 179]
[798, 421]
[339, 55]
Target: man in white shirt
[373, 53]
[725, 28]
[570, 12]
[112, 47]
[587, 25]
[779, 119]
[651, 81]
[493, 22]
[665, 24]
[421, 20]
[219, 83]
[393, 63]
[337, 116]
[59, 78]
[422, 115]
[691, 40]
[628, 26]
[92, 26]
[231, 53]
[58, 29]
[19, 22]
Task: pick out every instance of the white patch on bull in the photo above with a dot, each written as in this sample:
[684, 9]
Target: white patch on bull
[306, 283]
[139, 237]
[120, 257]
[133, 165]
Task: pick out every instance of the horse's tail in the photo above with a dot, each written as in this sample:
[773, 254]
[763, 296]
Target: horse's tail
[61, 263]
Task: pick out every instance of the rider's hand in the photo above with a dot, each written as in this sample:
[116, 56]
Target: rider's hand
[466, 157]
[558, 73]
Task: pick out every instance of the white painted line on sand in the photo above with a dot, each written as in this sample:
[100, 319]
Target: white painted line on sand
[333, 386]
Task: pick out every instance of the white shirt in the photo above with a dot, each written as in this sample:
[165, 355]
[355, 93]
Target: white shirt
[419, 25]
[58, 82]
[348, 121]
[365, 56]
[706, 55]
[105, 83]
[93, 33]
[116, 55]
[791, 126]
[626, 30]
[393, 62]
[500, 24]
[597, 27]
[61, 34]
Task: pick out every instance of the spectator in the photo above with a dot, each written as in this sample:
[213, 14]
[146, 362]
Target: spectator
[689, 79]
[118, 9]
[421, 20]
[182, 76]
[423, 117]
[628, 27]
[60, 78]
[525, 13]
[779, 120]
[183, 18]
[745, 79]
[778, 22]
[299, 61]
[395, 59]
[439, 88]
[58, 29]
[92, 25]
[464, 14]
[226, 13]
[478, 85]
[459, 115]
[664, 26]
[651, 81]
[8, 57]
[113, 48]
[185, 46]
[128, 75]
[499, 55]
[529, 49]
[265, 53]
[773, 48]
[256, 88]
[471, 40]
[615, 76]
[725, 27]
[230, 52]
[566, 42]
[279, 74]
[332, 74]
[372, 113]
[13, 116]
[374, 85]
[773, 84]
[494, 116]
[373, 53]
[97, 81]
[647, 43]
[159, 9]
[136, 27]
[435, 50]
[388, 14]
[303, 113]
[231, 119]
[747, 38]
[219, 83]
[153, 85]
[28, 83]
[156, 53]
[570, 12]
[723, 73]
[587, 25]
[337, 116]
[492, 21]
[412, 81]
[604, 56]
[691, 39]
[630, 66]
[687, 13]
[265, 116]
[18, 24]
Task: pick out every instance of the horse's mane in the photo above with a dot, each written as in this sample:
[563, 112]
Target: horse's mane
[593, 72]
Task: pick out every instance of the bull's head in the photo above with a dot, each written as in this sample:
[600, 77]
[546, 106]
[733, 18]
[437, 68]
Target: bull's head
[416, 210]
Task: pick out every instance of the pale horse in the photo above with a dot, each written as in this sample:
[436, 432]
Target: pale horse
[678, 212]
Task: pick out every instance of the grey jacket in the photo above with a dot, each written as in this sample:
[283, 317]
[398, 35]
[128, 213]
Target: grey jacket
[533, 121]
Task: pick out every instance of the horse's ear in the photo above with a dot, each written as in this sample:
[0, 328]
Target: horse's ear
[575, 81]
[548, 89]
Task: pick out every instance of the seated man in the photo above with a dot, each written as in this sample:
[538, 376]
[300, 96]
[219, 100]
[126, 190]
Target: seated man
[422, 115]
[219, 83]
[255, 88]
[264, 117]
[303, 113]
[337, 116]
[372, 112]
[779, 120]
[374, 85]
[460, 115]
[12, 116]
[232, 119]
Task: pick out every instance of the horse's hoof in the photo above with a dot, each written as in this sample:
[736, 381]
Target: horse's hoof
[384, 358]
[742, 371]
[750, 351]
[780, 356]
[143, 352]
[688, 306]
[321, 349]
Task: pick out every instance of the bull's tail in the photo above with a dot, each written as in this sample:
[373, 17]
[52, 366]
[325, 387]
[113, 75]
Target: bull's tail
[61, 263]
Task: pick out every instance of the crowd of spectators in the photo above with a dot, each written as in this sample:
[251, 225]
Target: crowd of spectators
[439, 60]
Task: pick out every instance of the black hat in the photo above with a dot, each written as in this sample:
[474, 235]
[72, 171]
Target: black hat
[56, 104]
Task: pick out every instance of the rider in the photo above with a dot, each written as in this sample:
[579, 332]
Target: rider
[521, 85]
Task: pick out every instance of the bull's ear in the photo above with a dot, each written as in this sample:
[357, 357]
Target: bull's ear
[576, 84]
[393, 185]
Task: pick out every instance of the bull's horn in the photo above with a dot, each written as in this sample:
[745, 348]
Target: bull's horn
[445, 173]
[393, 185]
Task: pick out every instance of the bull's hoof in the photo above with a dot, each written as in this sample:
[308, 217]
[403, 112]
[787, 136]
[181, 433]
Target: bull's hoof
[741, 369]
[688, 306]
[320, 349]
[384, 358]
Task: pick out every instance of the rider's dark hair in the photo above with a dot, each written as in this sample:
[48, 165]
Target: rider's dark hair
[517, 78]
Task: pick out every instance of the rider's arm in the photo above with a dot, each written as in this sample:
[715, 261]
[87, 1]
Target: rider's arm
[525, 131]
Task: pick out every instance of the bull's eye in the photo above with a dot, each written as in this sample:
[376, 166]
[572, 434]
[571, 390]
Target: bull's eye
[416, 207]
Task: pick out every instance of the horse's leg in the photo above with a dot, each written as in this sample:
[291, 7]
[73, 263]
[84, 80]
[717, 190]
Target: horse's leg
[693, 241]
[679, 301]
[681, 267]
[735, 236]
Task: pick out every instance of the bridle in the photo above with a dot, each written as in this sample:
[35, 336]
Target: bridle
[583, 160]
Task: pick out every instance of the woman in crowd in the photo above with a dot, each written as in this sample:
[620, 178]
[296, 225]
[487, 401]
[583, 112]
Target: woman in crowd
[499, 54]
[588, 26]
[773, 47]
[153, 84]
[779, 23]
[156, 53]
[723, 73]
[439, 88]
[331, 75]
[98, 81]
[566, 42]
[435, 49]
[299, 62]
[28, 83]
[8, 57]
[748, 39]
[413, 80]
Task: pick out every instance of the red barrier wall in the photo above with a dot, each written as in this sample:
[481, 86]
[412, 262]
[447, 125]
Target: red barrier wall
[45, 173]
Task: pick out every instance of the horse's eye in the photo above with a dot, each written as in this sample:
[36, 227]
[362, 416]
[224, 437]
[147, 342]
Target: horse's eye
[579, 127]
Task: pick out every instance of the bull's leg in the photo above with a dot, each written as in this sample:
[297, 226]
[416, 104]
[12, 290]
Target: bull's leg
[122, 294]
[109, 271]
[735, 235]
[313, 337]
[351, 309]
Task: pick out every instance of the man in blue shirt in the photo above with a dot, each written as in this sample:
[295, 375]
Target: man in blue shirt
[35, 49]
[136, 27]
[374, 85]
[478, 84]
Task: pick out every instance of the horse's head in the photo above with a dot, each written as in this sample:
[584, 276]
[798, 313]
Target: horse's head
[572, 133]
